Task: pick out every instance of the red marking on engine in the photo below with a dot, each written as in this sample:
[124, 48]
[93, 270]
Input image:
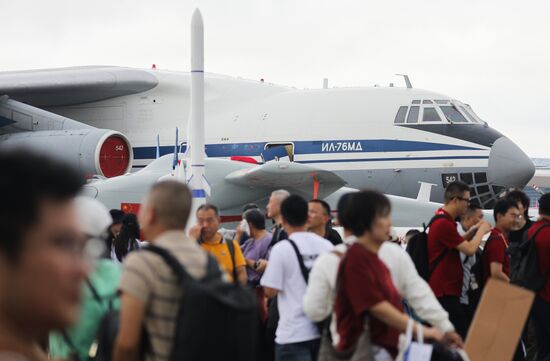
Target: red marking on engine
[239, 158]
[114, 156]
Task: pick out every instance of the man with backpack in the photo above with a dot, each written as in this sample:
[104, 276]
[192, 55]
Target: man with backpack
[273, 211]
[227, 252]
[523, 223]
[444, 245]
[150, 291]
[540, 315]
[495, 262]
[286, 276]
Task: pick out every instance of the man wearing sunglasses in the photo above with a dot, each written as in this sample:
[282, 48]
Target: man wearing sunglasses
[444, 247]
[42, 263]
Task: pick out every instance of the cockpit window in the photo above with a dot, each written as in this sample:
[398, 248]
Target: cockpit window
[427, 102]
[430, 115]
[441, 101]
[400, 117]
[453, 115]
[416, 102]
[470, 113]
[413, 115]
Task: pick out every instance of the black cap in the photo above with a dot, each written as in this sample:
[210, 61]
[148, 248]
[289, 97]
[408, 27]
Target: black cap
[116, 215]
[250, 206]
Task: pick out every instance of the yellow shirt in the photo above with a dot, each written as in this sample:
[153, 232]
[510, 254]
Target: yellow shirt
[221, 252]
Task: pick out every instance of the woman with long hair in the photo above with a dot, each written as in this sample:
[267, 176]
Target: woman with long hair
[128, 238]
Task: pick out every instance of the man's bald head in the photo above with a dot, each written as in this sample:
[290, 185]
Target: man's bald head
[171, 203]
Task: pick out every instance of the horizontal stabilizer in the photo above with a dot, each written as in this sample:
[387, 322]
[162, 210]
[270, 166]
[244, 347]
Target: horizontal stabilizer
[308, 181]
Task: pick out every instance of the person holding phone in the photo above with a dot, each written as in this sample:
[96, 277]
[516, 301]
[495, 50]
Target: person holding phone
[255, 248]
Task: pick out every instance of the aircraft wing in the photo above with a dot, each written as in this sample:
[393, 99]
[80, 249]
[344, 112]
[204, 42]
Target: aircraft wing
[541, 178]
[76, 85]
[297, 178]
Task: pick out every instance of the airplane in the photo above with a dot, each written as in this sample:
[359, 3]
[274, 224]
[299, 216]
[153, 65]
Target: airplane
[227, 183]
[104, 120]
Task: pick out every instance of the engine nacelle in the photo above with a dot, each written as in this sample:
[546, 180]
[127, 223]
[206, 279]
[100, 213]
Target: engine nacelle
[92, 151]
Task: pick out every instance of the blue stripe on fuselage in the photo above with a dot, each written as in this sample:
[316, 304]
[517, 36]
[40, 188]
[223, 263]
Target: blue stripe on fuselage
[309, 147]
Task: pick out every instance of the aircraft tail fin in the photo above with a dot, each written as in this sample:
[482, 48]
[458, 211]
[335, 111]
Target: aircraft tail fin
[425, 191]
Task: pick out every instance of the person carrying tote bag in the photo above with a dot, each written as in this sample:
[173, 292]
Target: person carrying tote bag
[365, 283]
[410, 350]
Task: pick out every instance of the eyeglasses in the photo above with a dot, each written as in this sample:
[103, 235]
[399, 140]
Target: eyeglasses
[464, 199]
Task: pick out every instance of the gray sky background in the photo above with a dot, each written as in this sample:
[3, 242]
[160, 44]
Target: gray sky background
[492, 54]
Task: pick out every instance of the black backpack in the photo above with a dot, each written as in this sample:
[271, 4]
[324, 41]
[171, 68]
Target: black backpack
[212, 309]
[525, 270]
[418, 250]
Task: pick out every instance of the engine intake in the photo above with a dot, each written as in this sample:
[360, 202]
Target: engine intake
[92, 151]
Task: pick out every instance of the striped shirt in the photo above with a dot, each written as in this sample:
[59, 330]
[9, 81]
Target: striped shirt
[149, 279]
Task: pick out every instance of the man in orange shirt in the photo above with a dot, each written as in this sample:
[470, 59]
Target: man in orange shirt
[229, 256]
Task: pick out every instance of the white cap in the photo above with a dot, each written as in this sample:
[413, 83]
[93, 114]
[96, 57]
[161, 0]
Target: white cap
[93, 216]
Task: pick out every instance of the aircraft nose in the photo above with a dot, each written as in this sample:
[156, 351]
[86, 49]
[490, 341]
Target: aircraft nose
[509, 166]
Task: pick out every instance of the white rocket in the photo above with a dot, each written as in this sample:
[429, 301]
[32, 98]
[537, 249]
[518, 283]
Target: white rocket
[195, 153]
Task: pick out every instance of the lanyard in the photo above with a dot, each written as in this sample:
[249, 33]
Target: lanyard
[503, 238]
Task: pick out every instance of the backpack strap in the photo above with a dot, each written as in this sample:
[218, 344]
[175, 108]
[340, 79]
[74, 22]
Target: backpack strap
[276, 235]
[303, 268]
[444, 253]
[434, 218]
[170, 260]
[73, 353]
[212, 268]
[231, 248]
[438, 260]
[544, 225]
[93, 290]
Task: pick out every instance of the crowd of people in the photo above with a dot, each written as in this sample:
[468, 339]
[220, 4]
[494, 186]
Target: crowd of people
[67, 265]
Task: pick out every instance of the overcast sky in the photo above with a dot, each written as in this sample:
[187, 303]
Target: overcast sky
[494, 55]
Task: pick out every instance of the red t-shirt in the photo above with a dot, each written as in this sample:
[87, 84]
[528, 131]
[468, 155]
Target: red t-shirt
[495, 251]
[447, 276]
[364, 281]
[542, 242]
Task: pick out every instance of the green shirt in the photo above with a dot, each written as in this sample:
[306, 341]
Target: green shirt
[105, 278]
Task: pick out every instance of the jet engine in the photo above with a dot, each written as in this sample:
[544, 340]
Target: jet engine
[93, 151]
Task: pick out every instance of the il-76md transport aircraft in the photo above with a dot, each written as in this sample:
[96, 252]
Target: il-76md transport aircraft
[106, 120]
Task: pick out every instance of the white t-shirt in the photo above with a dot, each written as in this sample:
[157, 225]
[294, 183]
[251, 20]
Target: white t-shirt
[466, 267]
[283, 274]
